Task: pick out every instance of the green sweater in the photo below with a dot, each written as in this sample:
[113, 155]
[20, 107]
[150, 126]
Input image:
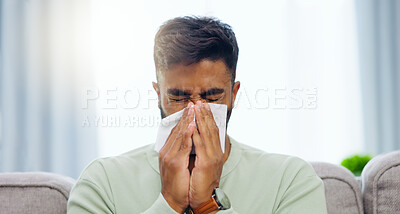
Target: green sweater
[254, 181]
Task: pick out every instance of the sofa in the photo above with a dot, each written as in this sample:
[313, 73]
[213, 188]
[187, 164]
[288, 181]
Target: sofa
[34, 192]
[376, 191]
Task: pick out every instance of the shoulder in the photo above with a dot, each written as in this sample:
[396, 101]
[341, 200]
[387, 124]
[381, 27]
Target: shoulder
[291, 182]
[285, 165]
[283, 171]
[100, 168]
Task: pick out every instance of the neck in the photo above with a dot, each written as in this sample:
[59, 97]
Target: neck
[192, 158]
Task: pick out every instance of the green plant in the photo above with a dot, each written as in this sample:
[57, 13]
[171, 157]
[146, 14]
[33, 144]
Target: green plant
[356, 163]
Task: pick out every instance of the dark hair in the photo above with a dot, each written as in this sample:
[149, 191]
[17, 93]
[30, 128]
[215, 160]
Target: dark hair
[191, 39]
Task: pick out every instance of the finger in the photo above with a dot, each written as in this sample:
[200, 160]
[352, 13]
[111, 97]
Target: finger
[204, 131]
[174, 132]
[200, 120]
[187, 143]
[198, 144]
[208, 110]
[179, 139]
[212, 126]
[183, 120]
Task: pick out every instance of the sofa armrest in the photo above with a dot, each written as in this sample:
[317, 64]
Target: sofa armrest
[381, 184]
[342, 191]
[34, 192]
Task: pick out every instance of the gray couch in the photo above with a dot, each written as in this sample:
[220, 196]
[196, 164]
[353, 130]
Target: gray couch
[377, 191]
[34, 192]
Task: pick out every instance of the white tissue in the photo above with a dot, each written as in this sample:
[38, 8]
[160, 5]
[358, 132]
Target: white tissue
[168, 123]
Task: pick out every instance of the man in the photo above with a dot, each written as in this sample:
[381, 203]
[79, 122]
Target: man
[195, 59]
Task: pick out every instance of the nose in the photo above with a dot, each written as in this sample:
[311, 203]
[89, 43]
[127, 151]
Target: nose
[194, 100]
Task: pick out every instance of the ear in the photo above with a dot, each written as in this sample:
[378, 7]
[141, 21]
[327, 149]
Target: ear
[157, 89]
[235, 90]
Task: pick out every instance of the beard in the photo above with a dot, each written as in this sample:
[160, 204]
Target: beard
[228, 113]
[163, 115]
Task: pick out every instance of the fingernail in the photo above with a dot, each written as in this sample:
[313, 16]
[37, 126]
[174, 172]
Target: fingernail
[207, 106]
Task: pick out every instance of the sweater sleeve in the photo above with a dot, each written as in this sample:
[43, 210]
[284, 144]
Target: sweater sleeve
[304, 192]
[228, 211]
[160, 206]
[87, 197]
[91, 194]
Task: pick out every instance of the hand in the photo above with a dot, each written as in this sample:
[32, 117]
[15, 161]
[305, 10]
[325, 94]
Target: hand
[209, 157]
[174, 162]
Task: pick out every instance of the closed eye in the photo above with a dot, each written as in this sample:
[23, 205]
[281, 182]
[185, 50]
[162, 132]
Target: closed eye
[211, 100]
[213, 94]
[179, 99]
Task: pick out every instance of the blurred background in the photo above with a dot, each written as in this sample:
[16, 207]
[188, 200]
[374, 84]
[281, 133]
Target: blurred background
[319, 79]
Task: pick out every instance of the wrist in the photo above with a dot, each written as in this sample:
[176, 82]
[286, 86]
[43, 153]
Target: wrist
[199, 200]
[178, 207]
[194, 205]
[218, 201]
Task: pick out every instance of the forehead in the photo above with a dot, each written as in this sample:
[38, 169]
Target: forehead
[197, 76]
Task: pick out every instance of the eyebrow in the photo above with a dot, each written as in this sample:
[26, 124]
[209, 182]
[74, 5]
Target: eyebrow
[212, 91]
[178, 92]
[209, 92]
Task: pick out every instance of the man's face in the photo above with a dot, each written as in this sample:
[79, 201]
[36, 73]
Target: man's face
[207, 81]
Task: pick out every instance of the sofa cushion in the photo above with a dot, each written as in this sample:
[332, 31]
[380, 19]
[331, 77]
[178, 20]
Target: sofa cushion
[381, 184]
[342, 191]
[34, 192]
